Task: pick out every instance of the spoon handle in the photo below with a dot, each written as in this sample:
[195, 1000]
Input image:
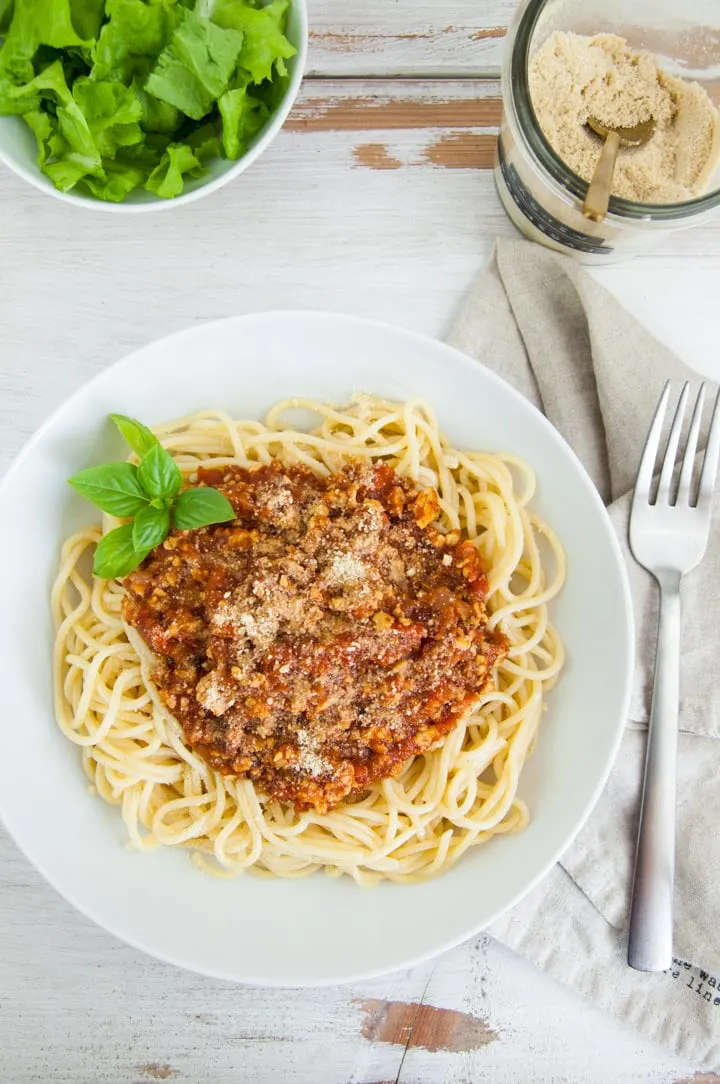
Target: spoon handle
[597, 197]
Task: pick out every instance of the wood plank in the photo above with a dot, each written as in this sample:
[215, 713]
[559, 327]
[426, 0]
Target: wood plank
[445, 124]
[410, 105]
[407, 37]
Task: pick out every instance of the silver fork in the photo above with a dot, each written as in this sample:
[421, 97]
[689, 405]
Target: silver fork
[669, 534]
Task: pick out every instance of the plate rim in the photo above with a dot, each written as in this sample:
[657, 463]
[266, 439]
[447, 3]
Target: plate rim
[627, 626]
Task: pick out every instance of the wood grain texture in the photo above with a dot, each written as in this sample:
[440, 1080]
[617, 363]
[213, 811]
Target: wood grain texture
[449, 125]
[348, 210]
[446, 125]
[411, 1023]
[408, 107]
[407, 37]
[375, 156]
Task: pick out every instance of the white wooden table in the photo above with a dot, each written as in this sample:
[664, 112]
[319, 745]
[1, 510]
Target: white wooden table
[377, 199]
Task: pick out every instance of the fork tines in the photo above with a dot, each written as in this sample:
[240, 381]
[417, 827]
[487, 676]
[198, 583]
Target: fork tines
[671, 488]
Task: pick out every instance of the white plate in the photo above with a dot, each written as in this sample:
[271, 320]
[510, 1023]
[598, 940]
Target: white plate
[316, 930]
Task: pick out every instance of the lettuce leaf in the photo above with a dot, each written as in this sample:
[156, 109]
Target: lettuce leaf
[265, 46]
[18, 99]
[196, 67]
[72, 138]
[49, 87]
[112, 113]
[157, 116]
[87, 15]
[69, 170]
[134, 32]
[242, 118]
[35, 23]
[205, 143]
[146, 155]
[43, 127]
[120, 178]
[5, 15]
[167, 179]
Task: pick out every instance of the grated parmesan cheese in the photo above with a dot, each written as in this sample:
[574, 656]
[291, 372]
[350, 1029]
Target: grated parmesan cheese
[347, 569]
[310, 760]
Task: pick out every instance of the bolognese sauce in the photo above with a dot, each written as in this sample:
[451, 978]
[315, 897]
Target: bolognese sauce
[321, 639]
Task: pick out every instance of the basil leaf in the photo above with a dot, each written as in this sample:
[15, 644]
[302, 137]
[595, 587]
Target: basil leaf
[150, 528]
[201, 506]
[115, 555]
[158, 473]
[134, 433]
[114, 488]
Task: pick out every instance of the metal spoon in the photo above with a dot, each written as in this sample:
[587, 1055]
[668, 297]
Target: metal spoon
[597, 197]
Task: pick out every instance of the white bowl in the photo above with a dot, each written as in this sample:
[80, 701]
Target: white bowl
[316, 930]
[18, 146]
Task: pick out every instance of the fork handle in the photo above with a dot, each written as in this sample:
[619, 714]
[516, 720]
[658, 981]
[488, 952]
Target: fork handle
[651, 915]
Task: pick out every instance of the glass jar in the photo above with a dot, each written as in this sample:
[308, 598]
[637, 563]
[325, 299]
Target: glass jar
[540, 193]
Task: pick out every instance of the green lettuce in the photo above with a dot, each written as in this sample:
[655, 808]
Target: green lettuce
[112, 113]
[167, 178]
[157, 116]
[196, 67]
[133, 37]
[87, 17]
[5, 15]
[118, 180]
[36, 23]
[242, 118]
[127, 93]
[68, 167]
[43, 128]
[265, 46]
[204, 142]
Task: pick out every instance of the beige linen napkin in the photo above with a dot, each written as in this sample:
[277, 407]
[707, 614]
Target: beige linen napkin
[539, 321]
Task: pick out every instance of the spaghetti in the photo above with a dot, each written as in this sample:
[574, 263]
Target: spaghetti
[446, 800]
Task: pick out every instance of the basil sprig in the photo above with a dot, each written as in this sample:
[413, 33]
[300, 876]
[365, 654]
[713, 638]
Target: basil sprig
[149, 496]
